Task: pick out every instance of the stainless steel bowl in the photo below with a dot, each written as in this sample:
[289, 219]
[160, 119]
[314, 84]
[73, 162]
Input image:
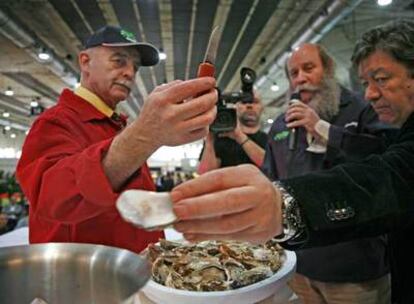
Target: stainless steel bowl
[70, 273]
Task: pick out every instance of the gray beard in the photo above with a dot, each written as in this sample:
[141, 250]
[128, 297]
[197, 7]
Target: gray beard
[326, 100]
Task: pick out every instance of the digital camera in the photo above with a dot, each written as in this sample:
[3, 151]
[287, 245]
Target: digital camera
[226, 119]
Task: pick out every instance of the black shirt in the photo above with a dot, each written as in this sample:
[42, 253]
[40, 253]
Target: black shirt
[232, 154]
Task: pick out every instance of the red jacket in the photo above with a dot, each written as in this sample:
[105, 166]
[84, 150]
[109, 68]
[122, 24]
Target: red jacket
[60, 172]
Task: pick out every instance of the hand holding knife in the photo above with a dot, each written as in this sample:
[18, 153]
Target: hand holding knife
[151, 210]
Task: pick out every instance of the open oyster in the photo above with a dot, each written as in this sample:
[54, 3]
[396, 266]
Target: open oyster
[146, 209]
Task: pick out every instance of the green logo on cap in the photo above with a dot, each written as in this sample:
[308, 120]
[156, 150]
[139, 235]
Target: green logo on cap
[128, 36]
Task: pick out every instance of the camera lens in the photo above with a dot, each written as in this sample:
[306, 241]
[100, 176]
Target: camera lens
[248, 76]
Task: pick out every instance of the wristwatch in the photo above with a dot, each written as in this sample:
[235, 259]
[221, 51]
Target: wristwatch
[292, 221]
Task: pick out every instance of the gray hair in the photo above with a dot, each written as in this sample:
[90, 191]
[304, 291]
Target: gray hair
[395, 38]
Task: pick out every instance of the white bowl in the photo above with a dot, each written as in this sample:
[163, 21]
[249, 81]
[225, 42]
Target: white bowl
[246, 295]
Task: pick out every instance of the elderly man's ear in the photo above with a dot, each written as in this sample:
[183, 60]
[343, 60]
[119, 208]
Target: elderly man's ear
[84, 59]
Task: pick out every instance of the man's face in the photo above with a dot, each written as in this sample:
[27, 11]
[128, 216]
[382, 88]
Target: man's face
[249, 113]
[388, 86]
[305, 71]
[110, 72]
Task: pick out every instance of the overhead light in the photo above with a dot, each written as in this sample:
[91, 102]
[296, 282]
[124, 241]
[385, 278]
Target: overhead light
[384, 2]
[6, 114]
[270, 121]
[9, 91]
[13, 135]
[162, 55]
[7, 128]
[34, 104]
[274, 87]
[44, 55]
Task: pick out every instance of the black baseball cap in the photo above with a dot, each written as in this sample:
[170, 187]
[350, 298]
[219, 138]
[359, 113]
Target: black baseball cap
[113, 36]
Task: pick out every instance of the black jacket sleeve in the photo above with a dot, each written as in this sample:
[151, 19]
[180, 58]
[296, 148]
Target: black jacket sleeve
[359, 199]
[353, 137]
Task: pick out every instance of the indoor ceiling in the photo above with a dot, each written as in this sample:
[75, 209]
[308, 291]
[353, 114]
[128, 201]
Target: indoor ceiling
[255, 33]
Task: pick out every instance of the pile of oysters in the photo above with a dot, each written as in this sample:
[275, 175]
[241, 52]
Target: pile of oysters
[213, 265]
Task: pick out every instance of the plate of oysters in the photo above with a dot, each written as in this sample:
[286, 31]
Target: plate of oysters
[217, 272]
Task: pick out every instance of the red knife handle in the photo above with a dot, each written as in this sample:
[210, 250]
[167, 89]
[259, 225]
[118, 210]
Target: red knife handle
[206, 69]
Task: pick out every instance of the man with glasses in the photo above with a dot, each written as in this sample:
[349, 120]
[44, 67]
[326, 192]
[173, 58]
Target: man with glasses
[349, 201]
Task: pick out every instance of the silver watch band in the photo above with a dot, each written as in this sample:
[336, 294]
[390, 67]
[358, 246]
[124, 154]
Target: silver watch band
[292, 221]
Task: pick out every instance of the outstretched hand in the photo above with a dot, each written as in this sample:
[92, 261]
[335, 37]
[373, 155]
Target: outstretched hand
[237, 203]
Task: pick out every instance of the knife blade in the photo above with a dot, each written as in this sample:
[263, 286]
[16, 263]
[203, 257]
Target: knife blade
[206, 68]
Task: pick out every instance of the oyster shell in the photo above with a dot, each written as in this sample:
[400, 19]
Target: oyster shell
[251, 276]
[146, 209]
[213, 265]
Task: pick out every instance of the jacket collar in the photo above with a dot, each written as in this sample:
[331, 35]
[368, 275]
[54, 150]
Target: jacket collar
[85, 110]
[94, 100]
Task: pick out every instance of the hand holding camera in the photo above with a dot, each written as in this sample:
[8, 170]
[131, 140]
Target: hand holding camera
[236, 134]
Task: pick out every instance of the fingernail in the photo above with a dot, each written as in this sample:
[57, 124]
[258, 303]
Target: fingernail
[175, 196]
[179, 211]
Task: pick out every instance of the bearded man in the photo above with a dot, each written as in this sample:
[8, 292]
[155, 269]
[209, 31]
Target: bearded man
[332, 126]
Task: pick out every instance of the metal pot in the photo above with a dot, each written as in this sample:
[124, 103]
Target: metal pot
[70, 273]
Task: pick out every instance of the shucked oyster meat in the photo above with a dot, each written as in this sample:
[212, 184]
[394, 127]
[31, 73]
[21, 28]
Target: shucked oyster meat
[213, 265]
[146, 209]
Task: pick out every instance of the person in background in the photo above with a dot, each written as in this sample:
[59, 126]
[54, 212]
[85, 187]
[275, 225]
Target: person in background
[349, 201]
[178, 178]
[243, 145]
[168, 182]
[333, 125]
[80, 155]
[24, 218]
[3, 223]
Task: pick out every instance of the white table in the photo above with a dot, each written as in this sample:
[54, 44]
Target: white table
[15, 237]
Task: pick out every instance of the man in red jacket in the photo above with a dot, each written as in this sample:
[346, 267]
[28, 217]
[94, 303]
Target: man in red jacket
[79, 155]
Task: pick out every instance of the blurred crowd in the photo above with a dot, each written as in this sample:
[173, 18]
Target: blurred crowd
[14, 208]
[168, 180]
